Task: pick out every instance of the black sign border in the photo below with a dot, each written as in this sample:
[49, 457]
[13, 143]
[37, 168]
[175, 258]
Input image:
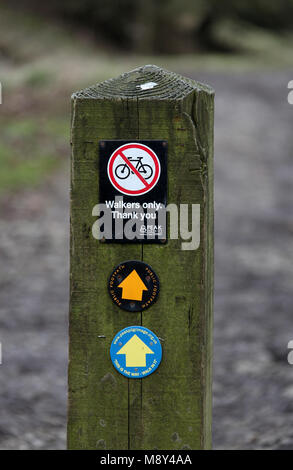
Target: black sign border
[108, 192]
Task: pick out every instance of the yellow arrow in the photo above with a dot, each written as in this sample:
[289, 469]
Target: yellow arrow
[132, 287]
[135, 351]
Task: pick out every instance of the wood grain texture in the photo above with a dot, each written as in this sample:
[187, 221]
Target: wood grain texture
[170, 409]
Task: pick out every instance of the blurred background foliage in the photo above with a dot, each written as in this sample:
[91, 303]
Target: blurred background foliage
[48, 50]
[168, 26]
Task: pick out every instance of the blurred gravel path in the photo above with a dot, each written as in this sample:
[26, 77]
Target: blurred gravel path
[33, 320]
[253, 386]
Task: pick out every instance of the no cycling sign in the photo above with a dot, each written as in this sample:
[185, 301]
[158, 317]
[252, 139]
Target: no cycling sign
[133, 186]
[134, 169]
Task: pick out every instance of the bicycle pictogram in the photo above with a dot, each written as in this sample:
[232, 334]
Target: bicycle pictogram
[123, 171]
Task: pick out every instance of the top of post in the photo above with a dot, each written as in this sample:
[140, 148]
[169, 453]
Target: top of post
[144, 82]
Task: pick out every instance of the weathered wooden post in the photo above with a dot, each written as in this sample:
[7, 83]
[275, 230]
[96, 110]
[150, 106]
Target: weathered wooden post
[171, 118]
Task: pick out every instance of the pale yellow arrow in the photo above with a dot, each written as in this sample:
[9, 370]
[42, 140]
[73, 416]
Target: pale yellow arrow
[135, 351]
[132, 287]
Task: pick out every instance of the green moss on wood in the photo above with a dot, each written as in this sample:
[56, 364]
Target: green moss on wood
[107, 410]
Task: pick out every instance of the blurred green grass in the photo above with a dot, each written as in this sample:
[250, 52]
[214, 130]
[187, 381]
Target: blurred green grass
[43, 63]
[31, 149]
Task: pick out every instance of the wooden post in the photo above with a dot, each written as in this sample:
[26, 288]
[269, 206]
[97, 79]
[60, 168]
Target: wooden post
[171, 408]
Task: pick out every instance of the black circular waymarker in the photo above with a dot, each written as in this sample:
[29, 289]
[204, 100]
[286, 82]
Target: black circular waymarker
[133, 286]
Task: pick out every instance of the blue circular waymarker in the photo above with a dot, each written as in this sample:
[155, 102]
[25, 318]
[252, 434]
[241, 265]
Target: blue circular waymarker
[136, 352]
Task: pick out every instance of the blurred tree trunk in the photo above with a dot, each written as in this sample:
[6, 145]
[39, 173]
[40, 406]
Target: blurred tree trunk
[150, 27]
[167, 26]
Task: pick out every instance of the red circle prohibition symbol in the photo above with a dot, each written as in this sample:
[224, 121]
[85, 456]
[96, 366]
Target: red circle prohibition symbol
[134, 176]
